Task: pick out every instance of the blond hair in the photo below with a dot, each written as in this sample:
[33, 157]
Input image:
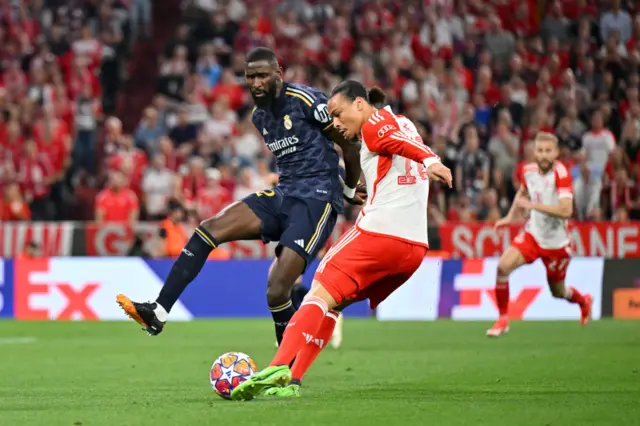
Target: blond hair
[546, 137]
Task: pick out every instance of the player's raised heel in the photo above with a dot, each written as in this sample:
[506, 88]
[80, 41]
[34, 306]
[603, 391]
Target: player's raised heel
[142, 313]
[276, 376]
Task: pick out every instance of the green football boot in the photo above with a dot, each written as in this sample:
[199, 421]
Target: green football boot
[276, 376]
[291, 391]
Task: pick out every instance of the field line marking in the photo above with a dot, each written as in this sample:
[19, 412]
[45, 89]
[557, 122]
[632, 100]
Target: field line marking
[16, 340]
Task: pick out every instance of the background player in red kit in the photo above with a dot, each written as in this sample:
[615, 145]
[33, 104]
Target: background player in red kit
[377, 255]
[547, 192]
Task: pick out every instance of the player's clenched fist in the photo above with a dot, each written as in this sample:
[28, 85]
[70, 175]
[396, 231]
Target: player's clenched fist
[440, 173]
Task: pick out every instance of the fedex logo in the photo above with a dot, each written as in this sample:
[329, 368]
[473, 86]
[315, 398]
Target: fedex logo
[467, 290]
[82, 288]
[42, 294]
[468, 286]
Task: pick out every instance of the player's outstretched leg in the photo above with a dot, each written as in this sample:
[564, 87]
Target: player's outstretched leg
[282, 277]
[238, 222]
[303, 329]
[509, 261]
[572, 295]
[309, 353]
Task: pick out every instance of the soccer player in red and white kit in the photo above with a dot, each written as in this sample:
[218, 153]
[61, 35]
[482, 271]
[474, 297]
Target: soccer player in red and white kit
[378, 254]
[547, 192]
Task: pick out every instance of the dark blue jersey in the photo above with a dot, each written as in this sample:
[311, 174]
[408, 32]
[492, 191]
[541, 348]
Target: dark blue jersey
[295, 130]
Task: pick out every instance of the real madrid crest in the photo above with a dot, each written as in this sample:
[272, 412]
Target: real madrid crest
[287, 122]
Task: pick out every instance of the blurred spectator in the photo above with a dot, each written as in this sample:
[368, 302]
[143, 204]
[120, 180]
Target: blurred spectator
[214, 197]
[193, 181]
[172, 234]
[597, 144]
[158, 186]
[31, 251]
[184, 132]
[117, 203]
[113, 135]
[623, 194]
[35, 176]
[572, 93]
[504, 147]
[173, 73]
[248, 144]
[460, 209]
[140, 17]
[230, 89]
[616, 20]
[472, 171]
[246, 184]
[489, 210]
[499, 42]
[555, 25]
[13, 207]
[130, 161]
[149, 131]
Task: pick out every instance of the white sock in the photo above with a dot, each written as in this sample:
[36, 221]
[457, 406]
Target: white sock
[161, 313]
[568, 293]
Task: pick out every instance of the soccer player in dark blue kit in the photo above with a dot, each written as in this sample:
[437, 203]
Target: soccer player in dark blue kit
[300, 212]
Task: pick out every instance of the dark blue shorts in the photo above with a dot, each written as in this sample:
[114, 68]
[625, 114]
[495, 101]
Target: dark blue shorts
[301, 224]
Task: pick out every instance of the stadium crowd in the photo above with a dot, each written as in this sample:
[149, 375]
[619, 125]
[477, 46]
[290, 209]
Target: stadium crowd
[479, 78]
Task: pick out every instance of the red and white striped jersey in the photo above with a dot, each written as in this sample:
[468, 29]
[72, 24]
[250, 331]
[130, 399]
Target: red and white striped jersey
[549, 232]
[394, 162]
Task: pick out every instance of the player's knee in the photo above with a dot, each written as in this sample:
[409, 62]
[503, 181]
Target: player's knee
[210, 225]
[557, 291]
[278, 292]
[504, 269]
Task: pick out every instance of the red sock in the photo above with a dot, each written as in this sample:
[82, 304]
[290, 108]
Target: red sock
[311, 350]
[575, 296]
[303, 327]
[502, 295]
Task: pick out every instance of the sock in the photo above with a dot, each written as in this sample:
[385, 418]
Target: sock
[298, 292]
[161, 313]
[502, 295]
[574, 296]
[302, 328]
[186, 267]
[310, 351]
[281, 316]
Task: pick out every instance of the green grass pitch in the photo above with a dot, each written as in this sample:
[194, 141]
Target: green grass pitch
[399, 373]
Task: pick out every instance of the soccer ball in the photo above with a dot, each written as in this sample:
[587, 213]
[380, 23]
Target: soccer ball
[229, 370]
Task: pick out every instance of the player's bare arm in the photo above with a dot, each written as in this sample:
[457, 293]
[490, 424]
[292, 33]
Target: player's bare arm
[351, 154]
[562, 210]
[438, 172]
[522, 193]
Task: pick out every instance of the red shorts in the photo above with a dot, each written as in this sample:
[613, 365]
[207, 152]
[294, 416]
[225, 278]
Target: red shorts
[363, 266]
[555, 260]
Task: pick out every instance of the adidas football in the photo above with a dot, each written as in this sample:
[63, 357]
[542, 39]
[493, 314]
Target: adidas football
[229, 370]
